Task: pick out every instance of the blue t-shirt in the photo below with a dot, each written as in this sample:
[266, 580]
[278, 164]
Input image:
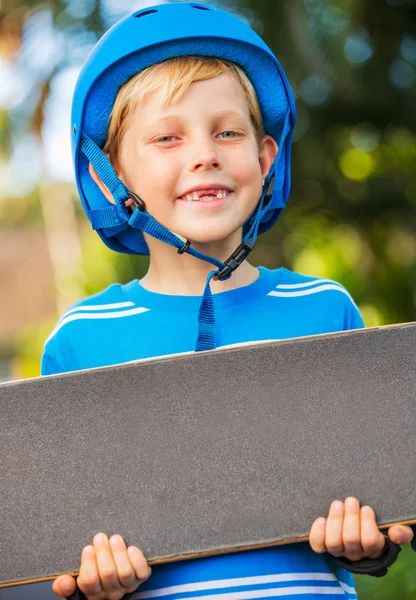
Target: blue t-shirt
[126, 322]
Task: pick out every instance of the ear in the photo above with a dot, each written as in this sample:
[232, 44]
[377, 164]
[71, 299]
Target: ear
[268, 150]
[104, 189]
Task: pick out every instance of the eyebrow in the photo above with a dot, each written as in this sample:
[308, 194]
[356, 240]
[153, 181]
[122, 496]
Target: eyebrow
[224, 115]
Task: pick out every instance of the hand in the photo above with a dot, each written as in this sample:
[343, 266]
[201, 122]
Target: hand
[108, 571]
[353, 532]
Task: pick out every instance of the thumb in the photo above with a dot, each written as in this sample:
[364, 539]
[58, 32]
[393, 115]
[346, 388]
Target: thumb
[64, 586]
[400, 534]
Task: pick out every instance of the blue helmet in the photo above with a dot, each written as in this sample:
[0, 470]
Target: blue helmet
[143, 39]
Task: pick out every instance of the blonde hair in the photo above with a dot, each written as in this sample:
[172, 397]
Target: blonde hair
[173, 77]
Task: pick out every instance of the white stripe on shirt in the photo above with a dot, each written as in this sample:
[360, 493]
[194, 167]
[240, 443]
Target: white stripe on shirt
[314, 290]
[241, 581]
[102, 315]
[306, 284]
[347, 588]
[94, 307]
[269, 593]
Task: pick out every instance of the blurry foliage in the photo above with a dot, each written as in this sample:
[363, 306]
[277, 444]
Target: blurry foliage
[30, 343]
[400, 583]
[351, 216]
[103, 266]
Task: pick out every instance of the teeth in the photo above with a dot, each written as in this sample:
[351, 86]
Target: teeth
[194, 196]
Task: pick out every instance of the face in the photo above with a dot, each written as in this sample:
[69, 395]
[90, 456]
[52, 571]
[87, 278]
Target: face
[196, 163]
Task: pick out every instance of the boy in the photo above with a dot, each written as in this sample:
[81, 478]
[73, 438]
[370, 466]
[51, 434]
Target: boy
[195, 163]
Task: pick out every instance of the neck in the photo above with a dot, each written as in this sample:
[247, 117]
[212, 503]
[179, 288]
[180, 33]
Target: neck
[184, 275]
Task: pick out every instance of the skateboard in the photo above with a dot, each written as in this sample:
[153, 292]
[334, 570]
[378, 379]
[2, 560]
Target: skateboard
[198, 454]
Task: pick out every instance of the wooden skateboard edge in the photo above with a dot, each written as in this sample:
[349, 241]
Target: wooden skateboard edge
[190, 555]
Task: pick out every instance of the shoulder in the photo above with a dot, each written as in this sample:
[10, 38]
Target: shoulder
[319, 296]
[78, 319]
[292, 284]
[108, 300]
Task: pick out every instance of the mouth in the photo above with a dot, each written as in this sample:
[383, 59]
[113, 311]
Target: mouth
[208, 195]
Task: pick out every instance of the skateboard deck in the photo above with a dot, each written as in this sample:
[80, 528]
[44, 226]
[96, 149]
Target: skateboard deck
[198, 454]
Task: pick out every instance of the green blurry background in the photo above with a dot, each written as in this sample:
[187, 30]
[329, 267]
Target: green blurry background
[351, 216]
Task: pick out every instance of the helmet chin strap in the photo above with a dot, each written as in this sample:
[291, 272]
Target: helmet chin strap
[242, 251]
[139, 203]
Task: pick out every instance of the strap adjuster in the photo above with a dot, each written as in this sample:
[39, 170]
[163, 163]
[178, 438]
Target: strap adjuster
[237, 257]
[184, 247]
[138, 202]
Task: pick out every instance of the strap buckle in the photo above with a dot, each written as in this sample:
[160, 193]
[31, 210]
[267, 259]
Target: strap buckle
[237, 257]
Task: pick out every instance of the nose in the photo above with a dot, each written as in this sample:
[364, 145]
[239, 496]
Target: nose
[205, 156]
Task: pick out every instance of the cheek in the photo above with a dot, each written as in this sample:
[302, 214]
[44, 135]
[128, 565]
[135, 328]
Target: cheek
[251, 179]
[248, 165]
[154, 179]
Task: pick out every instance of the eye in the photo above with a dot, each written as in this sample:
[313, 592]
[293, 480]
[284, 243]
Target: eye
[166, 139]
[229, 134]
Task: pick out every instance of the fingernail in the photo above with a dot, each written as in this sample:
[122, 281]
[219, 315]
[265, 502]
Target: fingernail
[337, 505]
[132, 550]
[100, 538]
[351, 501]
[399, 538]
[321, 521]
[88, 549]
[116, 539]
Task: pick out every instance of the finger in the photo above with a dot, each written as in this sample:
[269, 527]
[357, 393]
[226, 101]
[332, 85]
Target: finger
[317, 535]
[334, 526]
[64, 586]
[125, 572]
[400, 534]
[139, 563]
[372, 540]
[107, 570]
[88, 580]
[351, 530]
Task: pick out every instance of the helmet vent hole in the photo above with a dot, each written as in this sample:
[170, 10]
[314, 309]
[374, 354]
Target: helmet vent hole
[200, 6]
[143, 13]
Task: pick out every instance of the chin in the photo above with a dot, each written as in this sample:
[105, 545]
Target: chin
[212, 233]
[217, 237]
